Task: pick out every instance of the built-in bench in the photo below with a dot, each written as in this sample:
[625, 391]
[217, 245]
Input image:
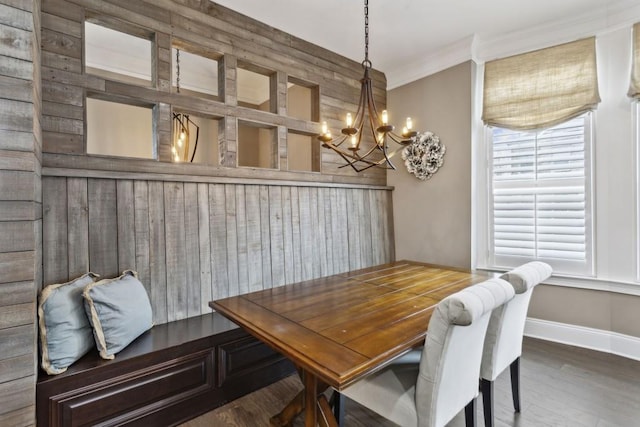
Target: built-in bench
[172, 373]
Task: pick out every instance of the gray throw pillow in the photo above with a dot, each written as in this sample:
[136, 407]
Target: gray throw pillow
[65, 332]
[119, 311]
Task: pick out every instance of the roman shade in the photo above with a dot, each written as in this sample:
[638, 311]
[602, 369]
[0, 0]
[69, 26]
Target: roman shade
[634, 90]
[539, 89]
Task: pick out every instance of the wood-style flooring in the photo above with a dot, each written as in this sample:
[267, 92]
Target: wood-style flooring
[561, 386]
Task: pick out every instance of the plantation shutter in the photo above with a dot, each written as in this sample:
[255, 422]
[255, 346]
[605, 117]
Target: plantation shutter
[539, 196]
[634, 90]
[542, 88]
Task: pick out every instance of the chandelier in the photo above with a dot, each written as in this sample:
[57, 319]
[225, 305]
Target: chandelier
[182, 125]
[350, 145]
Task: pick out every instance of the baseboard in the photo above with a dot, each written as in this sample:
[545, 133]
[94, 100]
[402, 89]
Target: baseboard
[580, 336]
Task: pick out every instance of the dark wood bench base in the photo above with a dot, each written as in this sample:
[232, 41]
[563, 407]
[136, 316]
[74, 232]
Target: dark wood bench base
[170, 374]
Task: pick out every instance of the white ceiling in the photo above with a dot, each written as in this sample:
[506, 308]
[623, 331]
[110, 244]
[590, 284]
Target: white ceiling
[407, 35]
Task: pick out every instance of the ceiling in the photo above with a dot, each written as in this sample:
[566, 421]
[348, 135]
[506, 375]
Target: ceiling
[407, 34]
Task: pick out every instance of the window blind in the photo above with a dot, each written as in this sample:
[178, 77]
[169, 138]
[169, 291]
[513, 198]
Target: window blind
[634, 89]
[540, 197]
[542, 88]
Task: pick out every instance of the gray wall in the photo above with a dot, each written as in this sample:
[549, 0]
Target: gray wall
[433, 217]
[603, 310]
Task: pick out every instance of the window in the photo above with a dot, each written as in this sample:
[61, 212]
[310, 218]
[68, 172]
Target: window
[201, 136]
[254, 88]
[303, 100]
[115, 129]
[540, 199]
[257, 145]
[116, 55]
[198, 74]
[303, 152]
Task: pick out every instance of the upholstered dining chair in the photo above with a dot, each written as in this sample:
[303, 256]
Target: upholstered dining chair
[446, 379]
[503, 343]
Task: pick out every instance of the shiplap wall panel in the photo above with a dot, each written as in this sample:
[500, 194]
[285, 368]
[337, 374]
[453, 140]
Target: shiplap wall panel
[54, 239]
[192, 249]
[277, 236]
[204, 248]
[287, 236]
[254, 238]
[265, 233]
[194, 242]
[21, 208]
[103, 227]
[218, 227]
[142, 232]
[232, 239]
[241, 241]
[126, 224]
[77, 226]
[296, 256]
[157, 252]
[176, 255]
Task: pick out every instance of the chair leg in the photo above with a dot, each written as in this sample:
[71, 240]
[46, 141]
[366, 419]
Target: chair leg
[470, 414]
[337, 399]
[486, 388]
[515, 383]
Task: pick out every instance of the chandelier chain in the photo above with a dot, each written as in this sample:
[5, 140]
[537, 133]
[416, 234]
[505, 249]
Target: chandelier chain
[178, 70]
[366, 62]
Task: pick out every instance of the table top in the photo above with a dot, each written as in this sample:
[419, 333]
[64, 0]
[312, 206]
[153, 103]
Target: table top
[345, 326]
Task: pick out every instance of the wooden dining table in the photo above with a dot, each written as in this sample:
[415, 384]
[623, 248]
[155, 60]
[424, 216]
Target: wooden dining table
[340, 328]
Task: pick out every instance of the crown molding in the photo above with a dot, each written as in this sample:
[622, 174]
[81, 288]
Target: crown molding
[483, 48]
[441, 59]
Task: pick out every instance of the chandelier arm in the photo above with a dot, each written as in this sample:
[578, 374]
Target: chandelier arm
[373, 111]
[355, 157]
[399, 139]
[360, 111]
[352, 160]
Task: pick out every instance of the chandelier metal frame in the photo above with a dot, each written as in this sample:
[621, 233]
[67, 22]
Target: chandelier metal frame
[348, 144]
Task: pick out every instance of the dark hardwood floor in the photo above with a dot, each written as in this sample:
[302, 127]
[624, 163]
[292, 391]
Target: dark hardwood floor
[561, 386]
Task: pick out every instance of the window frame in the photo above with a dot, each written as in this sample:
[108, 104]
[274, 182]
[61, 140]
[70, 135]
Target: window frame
[561, 267]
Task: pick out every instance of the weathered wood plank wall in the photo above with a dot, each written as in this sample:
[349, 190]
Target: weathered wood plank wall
[20, 207]
[193, 242]
[202, 27]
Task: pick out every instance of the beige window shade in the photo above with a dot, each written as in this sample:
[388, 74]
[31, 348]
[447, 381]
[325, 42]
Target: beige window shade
[542, 88]
[634, 90]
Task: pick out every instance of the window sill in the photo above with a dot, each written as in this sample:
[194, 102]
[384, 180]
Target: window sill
[591, 283]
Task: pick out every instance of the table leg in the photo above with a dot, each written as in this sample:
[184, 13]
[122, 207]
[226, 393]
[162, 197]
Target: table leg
[286, 416]
[326, 417]
[317, 408]
[310, 400]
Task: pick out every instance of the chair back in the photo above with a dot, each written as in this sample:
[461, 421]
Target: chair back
[450, 363]
[503, 343]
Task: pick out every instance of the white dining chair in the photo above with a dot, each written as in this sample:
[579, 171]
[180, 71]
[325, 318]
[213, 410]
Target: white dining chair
[503, 343]
[446, 380]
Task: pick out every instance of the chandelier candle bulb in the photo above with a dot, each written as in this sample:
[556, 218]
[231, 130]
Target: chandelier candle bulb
[349, 120]
[354, 141]
[409, 123]
[324, 128]
[385, 118]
